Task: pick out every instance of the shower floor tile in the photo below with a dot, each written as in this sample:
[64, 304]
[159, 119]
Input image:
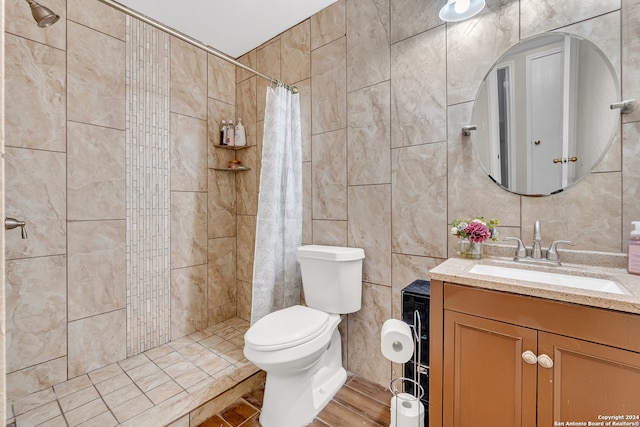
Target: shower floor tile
[160, 387]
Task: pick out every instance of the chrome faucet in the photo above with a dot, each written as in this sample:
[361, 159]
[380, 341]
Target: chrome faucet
[535, 254]
[536, 249]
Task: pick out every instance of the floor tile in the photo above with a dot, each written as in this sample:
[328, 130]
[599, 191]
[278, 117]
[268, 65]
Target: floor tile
[85, 412]
[113, 384]
[216, 365]
[336, 414]
[238, 413]
[160, 351]
[78, 398]
[133, 361]
[164, 392]
[132, 408]
[152, 381]
[143, 370]
[215, 421]
[103, 374]
[73, 385]
[182, 342]
[121, 395]
[125, 392]
[33, 401]
[54, 422]
[192, 377]
[200, 335]
[357, 403]
[363, 404]
[169, 359]
[39, 415]
[106, 419]
[180, 368]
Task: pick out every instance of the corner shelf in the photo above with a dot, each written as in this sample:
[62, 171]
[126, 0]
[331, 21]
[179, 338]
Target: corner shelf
[233, 147]
[242, 169]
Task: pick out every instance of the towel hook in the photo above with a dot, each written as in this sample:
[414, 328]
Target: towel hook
[466, 130]
[627, 106]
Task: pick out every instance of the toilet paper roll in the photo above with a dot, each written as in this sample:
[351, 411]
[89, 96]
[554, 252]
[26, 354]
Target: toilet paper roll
[396, 341]
[406, 411]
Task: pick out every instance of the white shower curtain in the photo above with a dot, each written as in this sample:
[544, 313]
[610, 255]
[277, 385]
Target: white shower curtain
[276, 275]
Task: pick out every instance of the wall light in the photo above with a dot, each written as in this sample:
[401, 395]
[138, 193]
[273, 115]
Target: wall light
[458, 10]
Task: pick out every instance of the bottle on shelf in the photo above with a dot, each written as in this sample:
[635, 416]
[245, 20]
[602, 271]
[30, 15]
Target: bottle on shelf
[223, 133]
[231, 134]
[240, 135]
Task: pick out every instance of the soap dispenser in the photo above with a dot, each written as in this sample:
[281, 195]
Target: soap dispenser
[633, 249]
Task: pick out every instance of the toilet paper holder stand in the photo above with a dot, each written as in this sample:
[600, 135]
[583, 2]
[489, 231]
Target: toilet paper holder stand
[418, 390]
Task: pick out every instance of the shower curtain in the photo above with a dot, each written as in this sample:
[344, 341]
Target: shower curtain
[276, 275]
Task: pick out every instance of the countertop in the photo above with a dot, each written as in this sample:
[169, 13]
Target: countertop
[600, 265]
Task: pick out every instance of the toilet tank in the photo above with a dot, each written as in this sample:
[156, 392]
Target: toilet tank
[331, 277]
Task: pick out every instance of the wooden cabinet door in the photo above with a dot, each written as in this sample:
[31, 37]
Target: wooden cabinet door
[587, 381]
[486, 381]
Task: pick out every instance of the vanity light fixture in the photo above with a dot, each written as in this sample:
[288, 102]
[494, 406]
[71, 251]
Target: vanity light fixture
[459, 10]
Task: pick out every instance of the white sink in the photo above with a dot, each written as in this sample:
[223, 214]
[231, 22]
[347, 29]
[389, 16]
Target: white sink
[581, 282]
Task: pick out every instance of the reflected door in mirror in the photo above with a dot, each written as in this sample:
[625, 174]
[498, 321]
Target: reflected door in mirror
[542, 114]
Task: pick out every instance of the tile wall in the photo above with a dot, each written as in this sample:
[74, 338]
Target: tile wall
[385, 89]
[65, 126]
[148, 197]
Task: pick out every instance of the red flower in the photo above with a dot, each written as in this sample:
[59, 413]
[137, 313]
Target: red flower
[477, 232]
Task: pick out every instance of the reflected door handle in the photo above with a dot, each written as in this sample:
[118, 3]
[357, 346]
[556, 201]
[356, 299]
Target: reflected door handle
[537, 142]
[566, 159]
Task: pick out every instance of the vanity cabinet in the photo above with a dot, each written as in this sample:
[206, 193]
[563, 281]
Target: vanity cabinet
[500, 359]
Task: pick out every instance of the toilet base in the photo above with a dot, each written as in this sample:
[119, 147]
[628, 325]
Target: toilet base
[294, 400]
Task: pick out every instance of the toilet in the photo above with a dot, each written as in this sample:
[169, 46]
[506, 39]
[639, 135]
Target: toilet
[299, 347]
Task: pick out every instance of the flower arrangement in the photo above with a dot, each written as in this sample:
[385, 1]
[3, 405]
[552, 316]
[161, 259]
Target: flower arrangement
[477, 230]
[472, 233]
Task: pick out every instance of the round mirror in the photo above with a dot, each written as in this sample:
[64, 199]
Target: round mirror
[542, 114]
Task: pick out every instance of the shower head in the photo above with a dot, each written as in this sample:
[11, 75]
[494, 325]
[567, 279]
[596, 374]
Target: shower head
[43, 15]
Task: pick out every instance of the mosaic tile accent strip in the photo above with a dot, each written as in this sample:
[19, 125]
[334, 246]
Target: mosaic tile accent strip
[148, 170]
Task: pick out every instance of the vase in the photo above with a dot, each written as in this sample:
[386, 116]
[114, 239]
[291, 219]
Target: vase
[469, 249]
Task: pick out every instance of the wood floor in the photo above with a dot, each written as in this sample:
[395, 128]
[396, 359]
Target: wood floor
[358, 403]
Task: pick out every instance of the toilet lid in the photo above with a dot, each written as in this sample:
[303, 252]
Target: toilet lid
[286, 328]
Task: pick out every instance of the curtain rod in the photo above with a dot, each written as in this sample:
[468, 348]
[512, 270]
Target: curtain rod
[194, 42]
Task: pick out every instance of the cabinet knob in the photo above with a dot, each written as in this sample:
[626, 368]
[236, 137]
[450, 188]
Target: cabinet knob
[529, 357]
[545, 361]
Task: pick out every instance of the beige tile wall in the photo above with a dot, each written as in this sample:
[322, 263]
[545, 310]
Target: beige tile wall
[385, 165]
[65, 176]
[153, 155]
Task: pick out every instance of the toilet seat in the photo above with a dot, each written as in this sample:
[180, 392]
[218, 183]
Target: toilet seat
[286, 328]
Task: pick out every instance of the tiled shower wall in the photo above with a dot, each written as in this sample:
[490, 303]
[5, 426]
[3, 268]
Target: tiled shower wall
[385, 89]
[147, 191]
[65, 125]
